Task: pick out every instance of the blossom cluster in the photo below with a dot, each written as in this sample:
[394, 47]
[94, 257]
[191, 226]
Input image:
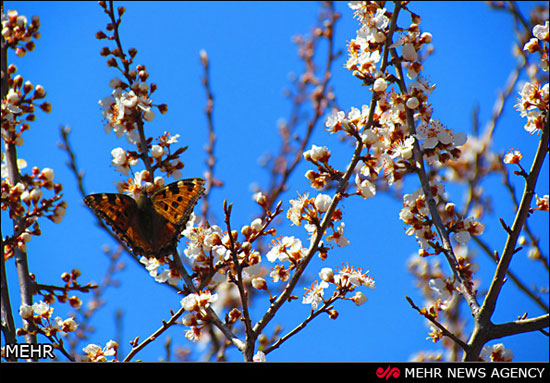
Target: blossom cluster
[128, 105]
[94, 352]
[364, 50]
[397, 135]
[157, 270]
[125, 111]
[388, 141]
[496, 353]
[26, 199]
[389, 146]
[534, 99]
[312, 211]
[533, 105]
[40, 314]
[18, 33]
[23, 194]
[346, 280]
[319, 156]
[211, 250]
[22, 97]
[196, 317]
[415, 213]
[441, 292]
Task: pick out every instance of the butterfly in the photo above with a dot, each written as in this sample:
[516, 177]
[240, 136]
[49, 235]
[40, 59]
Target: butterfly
[150, 226]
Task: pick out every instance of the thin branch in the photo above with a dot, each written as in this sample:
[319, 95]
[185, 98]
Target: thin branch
[142, 145]
[510, 247]
[165, 326]
[250, 335]
[314, 314]
[519, 327]
[212, 316]
[26, 286]
[511, 275]
[58, 345]
[432, 319]
[483, 323]
[95, 302]
[527, 229]
[211, 160]
[341, 188]
[434, 213]
[8, 325]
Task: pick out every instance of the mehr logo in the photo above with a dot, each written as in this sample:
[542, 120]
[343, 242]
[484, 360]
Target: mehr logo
[387, 373]
[28, 351]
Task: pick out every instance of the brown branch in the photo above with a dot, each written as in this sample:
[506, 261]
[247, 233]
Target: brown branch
[52, 288]
[512, 276]
[432, 319]
[211, 159]
[483, 317]
[8, 325]
[26, 286]
[212, 316]
[519, 327]
[142, 145]
[527, 229]
[250, 335]
[314, 314]
[58, 345]
[437, 221]
[341, 188]
[521, 216]
[165, 326]
[86, 315]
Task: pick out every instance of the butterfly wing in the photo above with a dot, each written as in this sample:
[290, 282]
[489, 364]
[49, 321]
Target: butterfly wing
[149, 228]
[176, 201]
[121, 213]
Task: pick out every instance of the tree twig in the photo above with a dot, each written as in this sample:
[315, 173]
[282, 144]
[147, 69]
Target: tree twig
[444, 330]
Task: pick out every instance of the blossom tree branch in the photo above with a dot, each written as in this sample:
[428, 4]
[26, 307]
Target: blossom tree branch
[518, 327]
[8, 325]
[327, 306]
[26, 286]
[137, 347]
[211, 181]
[442, 328]
[483, 318]
[340, 190]
[435, 216]
[19, 100]
[238, 280]
[119, 53]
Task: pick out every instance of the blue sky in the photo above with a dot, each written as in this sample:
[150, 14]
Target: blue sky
[251, 55]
